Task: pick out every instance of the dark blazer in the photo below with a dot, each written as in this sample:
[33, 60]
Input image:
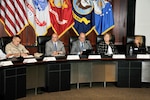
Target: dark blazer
[49, 48]
[76, 46]
[136, 50]
[103, 48]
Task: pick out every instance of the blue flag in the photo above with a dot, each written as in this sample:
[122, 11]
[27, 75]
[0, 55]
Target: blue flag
[83, 17]
[104, 20]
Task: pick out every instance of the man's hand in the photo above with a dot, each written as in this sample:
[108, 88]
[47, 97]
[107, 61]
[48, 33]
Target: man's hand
[55, 53]
[24, 54]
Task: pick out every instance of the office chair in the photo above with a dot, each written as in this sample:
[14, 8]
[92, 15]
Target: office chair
[71, 40]
[130, 40]
[4, 42]
[41, 41]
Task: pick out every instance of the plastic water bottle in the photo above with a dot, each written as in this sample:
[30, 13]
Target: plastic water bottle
[130, 51]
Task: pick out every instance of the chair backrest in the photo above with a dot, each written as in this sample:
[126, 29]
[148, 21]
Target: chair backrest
[4, 42]
[130, 39]
[100, 38]
[41, 41]
[71, 40]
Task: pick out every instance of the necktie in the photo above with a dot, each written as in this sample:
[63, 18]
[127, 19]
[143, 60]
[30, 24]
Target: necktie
[55, 46]
[82, 46]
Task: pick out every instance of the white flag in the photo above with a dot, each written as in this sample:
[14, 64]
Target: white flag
[38, 15]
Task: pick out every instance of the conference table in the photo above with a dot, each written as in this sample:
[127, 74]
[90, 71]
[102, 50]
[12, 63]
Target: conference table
[57, 74]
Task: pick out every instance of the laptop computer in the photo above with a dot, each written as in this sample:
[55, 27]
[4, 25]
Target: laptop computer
[87, 52]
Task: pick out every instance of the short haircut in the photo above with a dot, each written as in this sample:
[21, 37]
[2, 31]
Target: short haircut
[110, 35]
[16, 36]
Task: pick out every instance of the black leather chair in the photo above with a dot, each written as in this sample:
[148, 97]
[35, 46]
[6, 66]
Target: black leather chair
[130, 39]
[4, 42]
[71, 40]
[100, 38]
[41, 41]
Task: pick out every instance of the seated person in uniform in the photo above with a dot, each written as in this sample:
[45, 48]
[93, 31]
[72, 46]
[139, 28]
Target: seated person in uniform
[54, 47]
[15, 49]
[80, 45]
[2, 55]
[138, 46]
[106, 47]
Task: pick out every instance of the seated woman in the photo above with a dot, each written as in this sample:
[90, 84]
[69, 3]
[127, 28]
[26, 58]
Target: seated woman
[137, 47]
[106, 47]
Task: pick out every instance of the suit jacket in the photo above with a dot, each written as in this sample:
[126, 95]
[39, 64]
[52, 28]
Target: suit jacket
[103, 48]
[76, 48]
[49, 48]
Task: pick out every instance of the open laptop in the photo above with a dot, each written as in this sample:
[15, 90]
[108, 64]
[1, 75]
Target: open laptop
[87, 52]
[106, 56]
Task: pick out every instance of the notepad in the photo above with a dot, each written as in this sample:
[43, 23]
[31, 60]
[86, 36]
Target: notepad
[32, 60]
[28, 56]
[118, 56]
[49, 59]
[143, 56]
[94, 57]
[6, 63]
[73, 57]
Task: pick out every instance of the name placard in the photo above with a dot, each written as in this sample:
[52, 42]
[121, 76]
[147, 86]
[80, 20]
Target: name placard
[143, 56]
[118, 56]
[73, 57]
[49, 59]
[31, 60]
[94, 57]
[6, 63]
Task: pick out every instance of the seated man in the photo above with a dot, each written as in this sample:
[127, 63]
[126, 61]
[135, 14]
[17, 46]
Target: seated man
[80, 45]
[16, 49]
[54, 47]
[2, 55]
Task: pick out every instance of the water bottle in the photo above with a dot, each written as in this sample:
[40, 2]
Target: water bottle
[130, 51]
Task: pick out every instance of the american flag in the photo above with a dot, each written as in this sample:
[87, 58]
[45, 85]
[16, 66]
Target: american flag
[13, 16]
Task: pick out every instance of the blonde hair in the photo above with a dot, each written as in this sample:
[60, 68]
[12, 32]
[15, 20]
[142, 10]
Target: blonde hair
[140, 39]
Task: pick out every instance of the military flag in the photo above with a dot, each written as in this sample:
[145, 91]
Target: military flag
[38, 15]
[104, 20]
[61, 16]
[82, 13]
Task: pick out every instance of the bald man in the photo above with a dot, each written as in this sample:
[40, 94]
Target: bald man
[54, 47]
[80, 45]
[16, 49]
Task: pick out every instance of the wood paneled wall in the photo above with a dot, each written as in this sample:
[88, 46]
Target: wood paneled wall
[120, 16]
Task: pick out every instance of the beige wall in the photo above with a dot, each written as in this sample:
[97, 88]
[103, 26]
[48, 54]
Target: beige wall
[142, 19]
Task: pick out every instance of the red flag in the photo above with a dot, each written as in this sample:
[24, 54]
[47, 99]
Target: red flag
[13, 16]
[61, 16]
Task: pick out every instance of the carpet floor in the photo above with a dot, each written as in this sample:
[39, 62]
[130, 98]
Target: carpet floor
[94, 93]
